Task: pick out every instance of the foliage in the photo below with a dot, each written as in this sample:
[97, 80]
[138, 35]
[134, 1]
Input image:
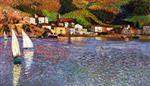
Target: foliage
[80, 3]
[49, 5]
[104, 16]
[87, 12]
[112, 6]
[52, 16]
[66, 6]
[137, 7]
[136, 11]
[141, 19]
[27, 9]
[82, 17]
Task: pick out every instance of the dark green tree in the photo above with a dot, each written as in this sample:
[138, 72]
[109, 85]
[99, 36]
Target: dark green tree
[137, 7]
[104, 16]
[67, 6]
[133, 8]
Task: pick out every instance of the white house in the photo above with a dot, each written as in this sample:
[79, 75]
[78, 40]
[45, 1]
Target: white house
[78, 26]
[43, 20]
[98, 29]
[46, 19]
[32, 21]
[72, 31]
[47, 27]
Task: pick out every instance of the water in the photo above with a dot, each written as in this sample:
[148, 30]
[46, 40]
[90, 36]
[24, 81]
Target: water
[85, 62]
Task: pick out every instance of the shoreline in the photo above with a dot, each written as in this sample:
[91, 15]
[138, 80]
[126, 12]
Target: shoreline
[107, 37]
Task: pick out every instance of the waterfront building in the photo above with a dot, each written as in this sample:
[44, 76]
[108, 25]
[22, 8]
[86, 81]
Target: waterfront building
[59, 31]
[146, 29]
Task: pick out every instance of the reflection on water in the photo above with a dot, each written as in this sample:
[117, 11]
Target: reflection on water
[85, 62]
[16, 74]
[100, 38]
[28, 58]
[5, 43]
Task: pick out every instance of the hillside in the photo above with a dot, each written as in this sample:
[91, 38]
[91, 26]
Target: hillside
[86, 12]
[12, 12]
[142, 19]
[83, 17]
[108, 5]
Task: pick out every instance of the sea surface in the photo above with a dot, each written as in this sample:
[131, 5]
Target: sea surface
[84, 62]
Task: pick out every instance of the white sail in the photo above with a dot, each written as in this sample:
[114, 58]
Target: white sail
[15, 45]
[27, 42]
[28, 58]
[5, 36]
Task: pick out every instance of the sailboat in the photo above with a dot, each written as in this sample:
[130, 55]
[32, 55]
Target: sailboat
[5, 36]
[27, 42]
[15, 45]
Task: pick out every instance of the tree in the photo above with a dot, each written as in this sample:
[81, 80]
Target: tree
[49, 5]
[81, 3]
[137, 7]
[137, 25]
[67, 6]
[133, 11]
[104, 16]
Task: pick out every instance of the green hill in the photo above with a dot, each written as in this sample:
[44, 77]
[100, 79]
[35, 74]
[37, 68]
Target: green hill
[83, 17]
[141, 19]
[52, 16]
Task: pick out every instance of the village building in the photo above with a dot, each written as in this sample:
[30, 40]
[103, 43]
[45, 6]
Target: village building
[78, 28]
[72, 31]
[32, 21]
[43, 20]
[38, 20]
[126, 30]
[110, 29]
[61, 22]
[46, 26]
[146, 29]
[99, 29]
[59, 31]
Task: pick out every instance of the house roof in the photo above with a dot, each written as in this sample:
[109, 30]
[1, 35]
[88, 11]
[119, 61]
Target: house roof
[101, 25]
[66, 20]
